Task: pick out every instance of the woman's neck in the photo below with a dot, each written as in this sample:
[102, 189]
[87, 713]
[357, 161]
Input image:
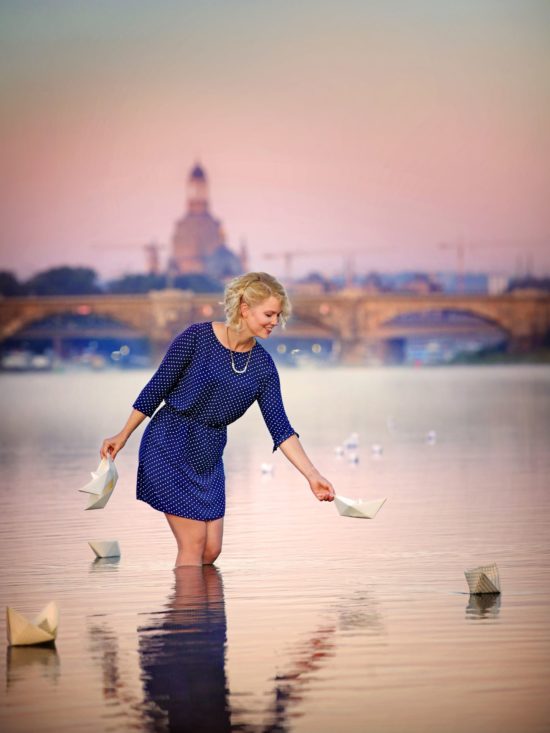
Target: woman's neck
[239, 340]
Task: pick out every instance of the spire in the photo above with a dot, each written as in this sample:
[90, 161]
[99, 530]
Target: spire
[197, 190]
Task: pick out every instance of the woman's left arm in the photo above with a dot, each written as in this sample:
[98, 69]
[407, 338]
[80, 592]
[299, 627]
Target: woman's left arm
[321, 487]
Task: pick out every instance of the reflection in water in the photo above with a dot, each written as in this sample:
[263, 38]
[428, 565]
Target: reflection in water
[105, 564]
[104, 646]
[182, 655]
[483, 605]
[359, 612]
[22, 661]
[292, 684]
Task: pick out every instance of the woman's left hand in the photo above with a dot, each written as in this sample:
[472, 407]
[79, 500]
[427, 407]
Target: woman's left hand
[321, 487]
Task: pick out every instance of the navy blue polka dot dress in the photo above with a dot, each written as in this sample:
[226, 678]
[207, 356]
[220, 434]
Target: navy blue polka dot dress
[180, 467]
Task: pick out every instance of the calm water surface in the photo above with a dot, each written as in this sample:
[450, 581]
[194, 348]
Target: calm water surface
[310, 622]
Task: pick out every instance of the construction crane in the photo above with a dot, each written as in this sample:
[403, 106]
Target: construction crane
[347, 255]
[152, 256]
[460, 245]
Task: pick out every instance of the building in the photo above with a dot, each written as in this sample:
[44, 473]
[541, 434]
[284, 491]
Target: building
[198, 242]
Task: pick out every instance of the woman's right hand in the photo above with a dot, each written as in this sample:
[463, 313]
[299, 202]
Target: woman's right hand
[111, 446]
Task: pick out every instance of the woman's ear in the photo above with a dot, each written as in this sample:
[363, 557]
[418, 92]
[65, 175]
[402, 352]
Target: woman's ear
[244, 309]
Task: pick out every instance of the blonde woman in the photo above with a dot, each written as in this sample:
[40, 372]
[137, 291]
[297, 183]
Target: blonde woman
[210, 375]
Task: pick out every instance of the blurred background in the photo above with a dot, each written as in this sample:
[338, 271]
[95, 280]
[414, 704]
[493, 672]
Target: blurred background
[387, 161]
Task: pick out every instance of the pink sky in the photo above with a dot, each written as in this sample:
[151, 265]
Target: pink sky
[382, 128]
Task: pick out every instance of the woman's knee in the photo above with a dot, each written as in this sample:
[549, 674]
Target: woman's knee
[211, 554]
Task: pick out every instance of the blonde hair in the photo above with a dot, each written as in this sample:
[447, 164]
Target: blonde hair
[253, 288]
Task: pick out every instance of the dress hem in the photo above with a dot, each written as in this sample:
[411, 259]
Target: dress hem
[176, 514]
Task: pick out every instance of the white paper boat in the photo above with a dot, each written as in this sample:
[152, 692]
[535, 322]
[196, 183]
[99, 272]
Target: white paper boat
[101, 486]
[105, 548]
[42, 630]
[359, 508]
[484, 579]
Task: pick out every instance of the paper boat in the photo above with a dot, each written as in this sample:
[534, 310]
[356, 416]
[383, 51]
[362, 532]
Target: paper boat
[42, 630]
[484, 579]
[101, 486]
[105, 548]
[359, 508]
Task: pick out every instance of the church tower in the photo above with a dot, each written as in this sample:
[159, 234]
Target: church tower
[197, 235]
[198, 243]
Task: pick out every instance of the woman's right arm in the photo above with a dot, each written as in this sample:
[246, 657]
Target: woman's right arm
[117, 442]
[176, 359]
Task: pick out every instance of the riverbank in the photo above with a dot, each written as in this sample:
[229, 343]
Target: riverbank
[491, 356]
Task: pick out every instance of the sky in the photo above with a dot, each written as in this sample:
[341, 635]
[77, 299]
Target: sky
[380, 129]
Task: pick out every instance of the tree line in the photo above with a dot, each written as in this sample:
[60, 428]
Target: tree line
[67, 280]
[85, 281]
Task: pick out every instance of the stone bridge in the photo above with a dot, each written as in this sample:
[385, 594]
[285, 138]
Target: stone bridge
[352, 319]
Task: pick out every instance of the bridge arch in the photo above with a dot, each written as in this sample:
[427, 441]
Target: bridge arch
[35, 313]
[80, 335]
[452, 319]
[377, 316]
[435, 335]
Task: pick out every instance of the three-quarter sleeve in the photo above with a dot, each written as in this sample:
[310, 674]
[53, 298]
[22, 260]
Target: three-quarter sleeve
[273, 411]
[163, 381]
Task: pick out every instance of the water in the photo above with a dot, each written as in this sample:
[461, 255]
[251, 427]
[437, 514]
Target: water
[311, 622]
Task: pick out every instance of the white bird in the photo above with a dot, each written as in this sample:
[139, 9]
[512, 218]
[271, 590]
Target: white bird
[353, 458]
[352, 441]
[339, 450]
[431, 437]
[376, 449]
[266, 468]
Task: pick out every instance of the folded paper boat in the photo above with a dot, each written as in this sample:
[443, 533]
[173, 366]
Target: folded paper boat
[484, 579]
[42, 630]
[105, 548]
[360, 508]
[101, 486]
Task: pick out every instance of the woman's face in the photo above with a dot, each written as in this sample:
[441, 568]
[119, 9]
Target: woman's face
[261, 319]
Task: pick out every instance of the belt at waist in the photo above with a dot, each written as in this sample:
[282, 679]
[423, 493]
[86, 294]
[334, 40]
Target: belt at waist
[192, 418]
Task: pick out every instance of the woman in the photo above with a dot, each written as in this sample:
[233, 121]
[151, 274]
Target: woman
[209, 377]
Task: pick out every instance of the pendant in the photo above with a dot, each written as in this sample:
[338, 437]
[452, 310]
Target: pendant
[238, 371]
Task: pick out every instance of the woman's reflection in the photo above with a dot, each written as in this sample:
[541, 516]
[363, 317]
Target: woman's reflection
[182, 655]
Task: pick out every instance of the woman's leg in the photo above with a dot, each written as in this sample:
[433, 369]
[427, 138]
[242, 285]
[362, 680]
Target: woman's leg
[191, 536]
[214, 537]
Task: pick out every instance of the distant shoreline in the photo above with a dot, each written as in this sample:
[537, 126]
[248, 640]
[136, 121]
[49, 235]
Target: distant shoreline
[538, 356]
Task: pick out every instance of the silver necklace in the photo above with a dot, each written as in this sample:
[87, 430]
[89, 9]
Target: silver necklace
[238, 371]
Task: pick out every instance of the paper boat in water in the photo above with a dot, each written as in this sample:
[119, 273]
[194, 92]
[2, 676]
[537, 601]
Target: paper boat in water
[101, 486]
[360, 508]
[105, 548]
[484, 579]
[42, 630]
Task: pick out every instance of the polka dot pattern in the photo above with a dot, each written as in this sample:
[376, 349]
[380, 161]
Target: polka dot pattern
[180, 467]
